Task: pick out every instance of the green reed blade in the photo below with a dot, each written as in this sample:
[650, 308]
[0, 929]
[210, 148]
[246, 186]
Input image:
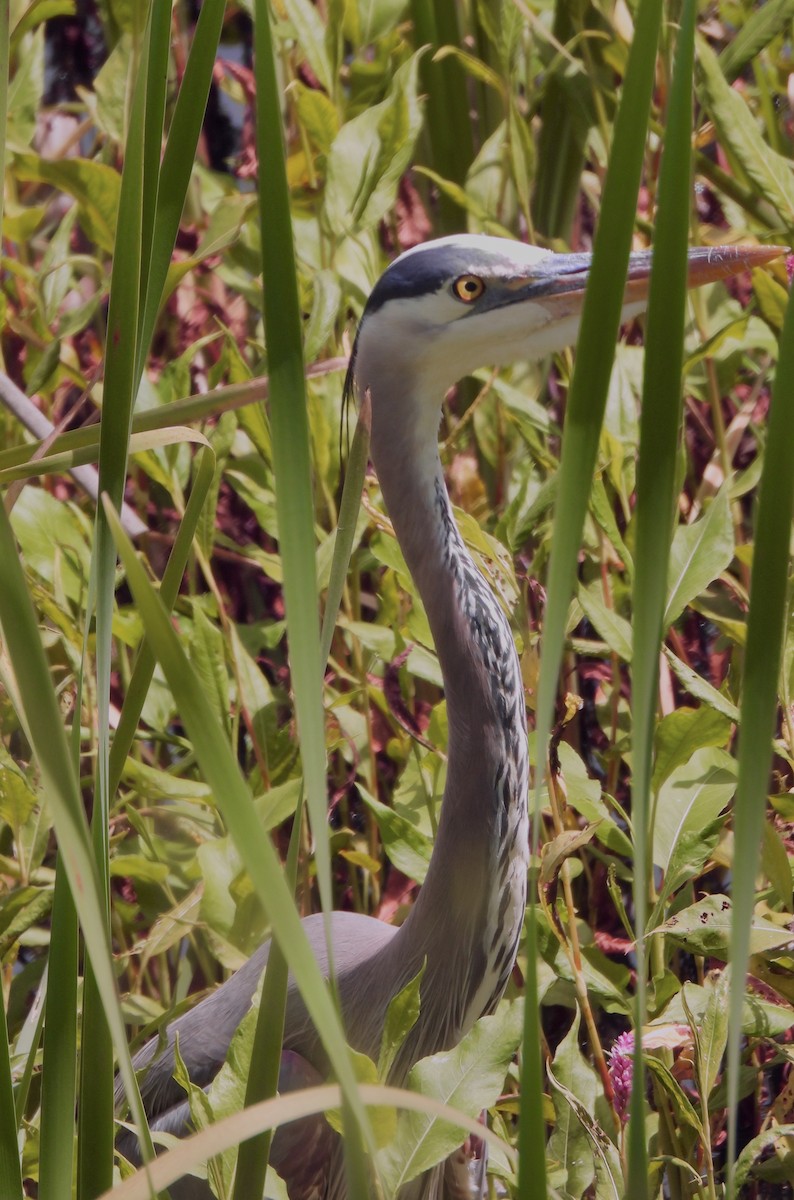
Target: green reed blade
[660, 426]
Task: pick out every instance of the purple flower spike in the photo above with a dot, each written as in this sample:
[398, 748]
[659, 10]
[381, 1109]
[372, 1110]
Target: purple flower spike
[621, 1069]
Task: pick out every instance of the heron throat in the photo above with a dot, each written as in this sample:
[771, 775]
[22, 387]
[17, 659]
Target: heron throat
[474, 895]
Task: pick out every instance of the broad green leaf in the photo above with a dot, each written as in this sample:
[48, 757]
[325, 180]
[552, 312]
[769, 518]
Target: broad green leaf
[772, 298]
[604, 514]
[607, 982]
[776, 865]
[376, 17]
[739, 133]
[699, 553]
[317, 115]
[139, 869]
[201, 1115]
[111, 91]
[699, 687]
[680, 733]
[54, 540]
[384, 1120]
[689, 800]
[370, 154]
[711, 1031]
[310, 30]
[408, 848]
[468, 1078]
[760, 1018]
[570, 1145]
[19, 910]
[755, 1149]
[255, 692]
[17, 798]
[605, 1160]
[583, 794]
[35, 13]
[758, 30]
[323, 315]
[209, 662]
[401, 1016]
[94, 186]
[705, 928]
[25, 93]
[614, 629]
[684, 1108]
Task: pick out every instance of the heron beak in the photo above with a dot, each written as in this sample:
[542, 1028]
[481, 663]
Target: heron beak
[560, 279]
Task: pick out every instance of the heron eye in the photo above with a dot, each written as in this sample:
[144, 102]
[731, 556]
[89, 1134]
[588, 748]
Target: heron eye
[468, 288]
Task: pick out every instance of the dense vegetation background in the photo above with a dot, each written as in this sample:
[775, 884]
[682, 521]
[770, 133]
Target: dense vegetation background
[505, 124]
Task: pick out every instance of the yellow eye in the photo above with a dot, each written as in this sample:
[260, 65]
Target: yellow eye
[468, 288]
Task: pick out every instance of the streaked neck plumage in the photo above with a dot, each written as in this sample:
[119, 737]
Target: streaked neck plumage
[474, 894]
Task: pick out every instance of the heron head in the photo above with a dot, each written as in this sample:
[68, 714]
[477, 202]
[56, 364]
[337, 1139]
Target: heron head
[447, 307]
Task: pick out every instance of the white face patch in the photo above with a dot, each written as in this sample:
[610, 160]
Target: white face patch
[424, 324]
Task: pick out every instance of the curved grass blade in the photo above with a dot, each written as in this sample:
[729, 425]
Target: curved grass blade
[192, 1151]
[82, 443]
[660, 426]
[42, 721]
[584, 415]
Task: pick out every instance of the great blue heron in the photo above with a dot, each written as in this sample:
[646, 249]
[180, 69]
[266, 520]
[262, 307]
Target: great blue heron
[439, 311]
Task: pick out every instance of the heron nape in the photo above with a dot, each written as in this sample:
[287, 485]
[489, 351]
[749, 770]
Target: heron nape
[439, 311]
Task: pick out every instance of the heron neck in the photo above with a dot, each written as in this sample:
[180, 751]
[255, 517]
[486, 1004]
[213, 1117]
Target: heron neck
[471, 634]
[481, 846]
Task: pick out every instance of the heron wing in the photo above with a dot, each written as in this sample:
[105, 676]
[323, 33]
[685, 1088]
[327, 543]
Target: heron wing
[301, 1150]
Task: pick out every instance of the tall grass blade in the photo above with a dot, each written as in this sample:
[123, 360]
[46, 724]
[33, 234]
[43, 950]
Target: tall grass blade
[448, 126]
[137, 203]
[292, 466]
[762, 662]
[10, 1173]
[177, 165]
[263, 1071]
[561, 143]
[290, 430]
[587, 400]
[291, 454]
[660, 426]
[59, 1074]
[10, 1169]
